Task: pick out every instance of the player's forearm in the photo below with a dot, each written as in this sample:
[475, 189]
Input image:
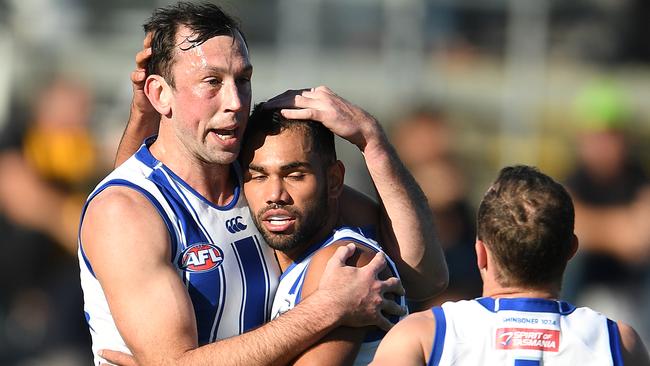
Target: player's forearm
[407, 231]
[140, 126]
[275, 343]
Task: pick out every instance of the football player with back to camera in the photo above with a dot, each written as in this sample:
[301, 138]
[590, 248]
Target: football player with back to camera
[525, 239]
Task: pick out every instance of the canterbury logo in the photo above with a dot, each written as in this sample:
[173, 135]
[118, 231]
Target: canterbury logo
[234, 225]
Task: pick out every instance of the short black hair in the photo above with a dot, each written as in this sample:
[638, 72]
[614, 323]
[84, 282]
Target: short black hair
[526, 219]
[271, 122]
[204, 20]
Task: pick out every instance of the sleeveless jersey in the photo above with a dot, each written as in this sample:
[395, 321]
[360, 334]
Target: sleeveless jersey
[290, 287]
[230, 273]
[522, 332]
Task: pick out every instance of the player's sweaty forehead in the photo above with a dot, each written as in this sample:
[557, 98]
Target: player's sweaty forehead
[219, 56]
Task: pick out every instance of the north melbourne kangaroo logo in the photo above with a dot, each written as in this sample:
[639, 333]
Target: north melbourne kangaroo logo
[234, 225]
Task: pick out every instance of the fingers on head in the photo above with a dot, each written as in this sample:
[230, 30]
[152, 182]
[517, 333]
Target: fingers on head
[142, 57]
[323, 88]
[147, 40]
[298, 98]
[138, 76]
[302, 114]
[294, 91]
[317, 92]
[283, 98]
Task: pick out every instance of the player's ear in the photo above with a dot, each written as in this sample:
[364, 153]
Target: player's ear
[159, 93]
[481, 254]
[574, 246]
[335, 178]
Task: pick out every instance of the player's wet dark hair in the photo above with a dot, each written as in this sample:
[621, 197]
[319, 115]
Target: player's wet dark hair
[526, 220]
[204, 20]
[271, 122]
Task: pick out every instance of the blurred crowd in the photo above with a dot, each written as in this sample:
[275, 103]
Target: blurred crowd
[48, 163]
[52, 153]
[611, 192]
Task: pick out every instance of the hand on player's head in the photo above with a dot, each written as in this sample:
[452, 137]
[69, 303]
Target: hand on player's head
[139, 75]
[138, 79]
[321, 104]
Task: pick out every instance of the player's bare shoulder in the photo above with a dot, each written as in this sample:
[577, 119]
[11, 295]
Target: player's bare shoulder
[119, 206]
[116, 200]
[117, 214]
[409, 342]
[421, 321]
[421, 324]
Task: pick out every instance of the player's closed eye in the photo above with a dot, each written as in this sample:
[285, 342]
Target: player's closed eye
[296, 176]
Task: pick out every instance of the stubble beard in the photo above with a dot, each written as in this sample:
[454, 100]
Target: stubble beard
[308, 223]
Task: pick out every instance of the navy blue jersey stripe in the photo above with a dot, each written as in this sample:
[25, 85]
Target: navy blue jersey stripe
[615, 342]
[204, 287]
[267, 280]
[527, 304]
[243, 287]
[221, 307]
[226, 207]
[254, 309]
[439, 341]
[194, 232]
[87, 316]
[527, 362]
[144, 155]
[297, 285]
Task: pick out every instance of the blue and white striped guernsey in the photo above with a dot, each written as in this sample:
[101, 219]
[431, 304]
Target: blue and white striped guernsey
[522, 332]
[290, 287]
[230, 273]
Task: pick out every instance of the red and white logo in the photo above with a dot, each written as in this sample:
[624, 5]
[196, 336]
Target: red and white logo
[523, 338]
[202, 257]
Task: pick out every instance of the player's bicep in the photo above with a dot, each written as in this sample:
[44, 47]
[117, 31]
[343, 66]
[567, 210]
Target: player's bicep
[128, 247]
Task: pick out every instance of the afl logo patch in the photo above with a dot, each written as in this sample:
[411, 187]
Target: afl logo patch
[202, 257]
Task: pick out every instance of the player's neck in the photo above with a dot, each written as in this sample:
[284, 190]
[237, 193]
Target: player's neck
[212, 181]
[514, 292]
[497, 285]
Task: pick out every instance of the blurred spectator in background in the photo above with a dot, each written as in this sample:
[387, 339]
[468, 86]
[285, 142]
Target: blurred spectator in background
[611, 193]
[424, 142]
[47, 166]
